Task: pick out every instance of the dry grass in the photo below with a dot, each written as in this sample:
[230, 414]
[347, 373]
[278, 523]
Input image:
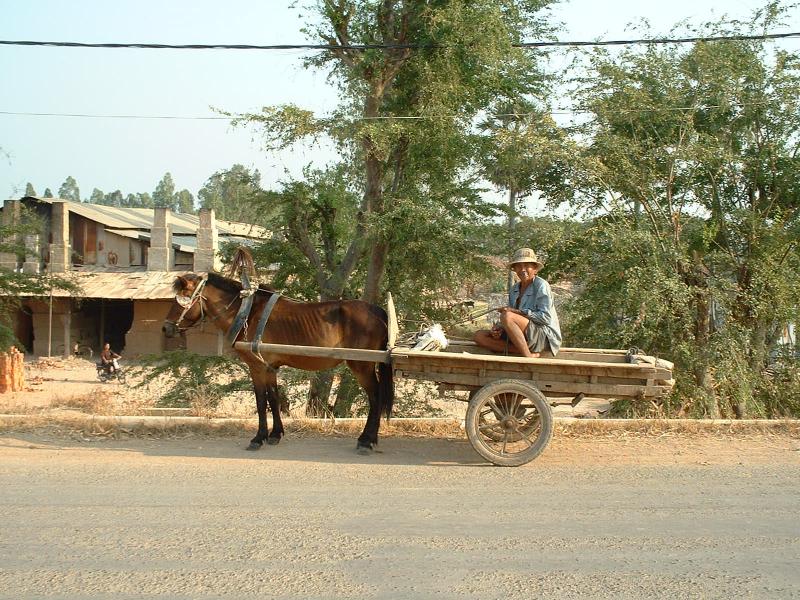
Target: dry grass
[172, 427]
[96, 402]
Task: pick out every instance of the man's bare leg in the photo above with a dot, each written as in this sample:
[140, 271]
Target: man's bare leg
[484, 339]
[515, 326]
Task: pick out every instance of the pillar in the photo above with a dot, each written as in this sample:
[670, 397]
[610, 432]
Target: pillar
[205, 255]
[160, 254]
[60, 254]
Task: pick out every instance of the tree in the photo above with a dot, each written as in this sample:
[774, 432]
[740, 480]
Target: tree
[47, 193]
[164, 194]
[693, 166]
[234, 194]
[406, 182]
[140, 200]
[97, 197]
[524, 151]
[69, 190]
[29, 190]
[445, 88]
[184, 202]
[114, 198]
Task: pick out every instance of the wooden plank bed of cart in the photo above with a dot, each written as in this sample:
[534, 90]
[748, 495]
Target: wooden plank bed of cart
[509, 421]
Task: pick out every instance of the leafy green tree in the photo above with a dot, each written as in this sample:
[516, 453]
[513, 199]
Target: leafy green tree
[141, 200]
[164, 194]
[410, 167]
[69, 190]
[693, 166]
[234, 194]
[523, 151]
[405, 182]
[114, 198]
[29, 190]
[97, 197]
[47, 193]
[184, 202]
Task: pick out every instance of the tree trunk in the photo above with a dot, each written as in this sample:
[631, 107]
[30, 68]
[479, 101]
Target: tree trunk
[375, 271]
[318, 394]
[512, 225]
[345, 395]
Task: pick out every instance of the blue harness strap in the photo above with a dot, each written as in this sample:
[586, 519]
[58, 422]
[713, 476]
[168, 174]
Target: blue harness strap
[240, 320]
[262, 325]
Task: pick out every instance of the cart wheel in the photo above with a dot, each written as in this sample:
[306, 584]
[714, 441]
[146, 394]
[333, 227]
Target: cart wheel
[121, 376]
[509, 422]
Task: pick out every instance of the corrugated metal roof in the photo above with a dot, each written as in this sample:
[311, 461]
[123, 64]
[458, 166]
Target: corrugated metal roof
[182, 242]
[135, 285]
[142, 218]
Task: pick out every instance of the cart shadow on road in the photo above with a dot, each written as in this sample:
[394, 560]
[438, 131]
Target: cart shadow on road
[405, 451]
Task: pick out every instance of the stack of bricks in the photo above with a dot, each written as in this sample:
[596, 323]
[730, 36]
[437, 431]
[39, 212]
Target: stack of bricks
[12, 372]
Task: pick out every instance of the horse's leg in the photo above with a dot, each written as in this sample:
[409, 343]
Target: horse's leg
[365, 375]
[275, 408]
[260, 381]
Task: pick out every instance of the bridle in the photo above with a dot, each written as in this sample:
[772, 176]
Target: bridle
[188, 303]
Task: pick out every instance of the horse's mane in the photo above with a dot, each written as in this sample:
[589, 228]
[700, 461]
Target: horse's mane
[242, 262]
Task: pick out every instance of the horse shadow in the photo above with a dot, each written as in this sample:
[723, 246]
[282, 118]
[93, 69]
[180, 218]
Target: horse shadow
[392, 450]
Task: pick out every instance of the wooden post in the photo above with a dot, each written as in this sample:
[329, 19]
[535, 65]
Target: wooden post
[67, 328]
[50, 327]
[102, 323]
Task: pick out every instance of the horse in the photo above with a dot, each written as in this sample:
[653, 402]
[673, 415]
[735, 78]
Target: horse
[343, 324]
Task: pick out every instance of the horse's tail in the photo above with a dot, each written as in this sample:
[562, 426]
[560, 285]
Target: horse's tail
[386, 388]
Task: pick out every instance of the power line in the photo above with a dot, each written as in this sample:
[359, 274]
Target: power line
[363, 47]
[556, 111]
[98, 116]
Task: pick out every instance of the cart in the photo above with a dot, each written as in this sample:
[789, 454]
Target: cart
[509, 420]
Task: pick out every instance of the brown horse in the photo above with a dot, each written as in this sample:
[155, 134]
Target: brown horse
[343, 324]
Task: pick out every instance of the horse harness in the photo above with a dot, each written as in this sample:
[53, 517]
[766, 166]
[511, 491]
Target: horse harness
[240, 320]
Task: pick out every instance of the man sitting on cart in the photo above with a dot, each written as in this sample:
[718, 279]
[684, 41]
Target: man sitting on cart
[529, 324]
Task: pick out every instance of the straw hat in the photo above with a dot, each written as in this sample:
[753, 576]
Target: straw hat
[525, 255]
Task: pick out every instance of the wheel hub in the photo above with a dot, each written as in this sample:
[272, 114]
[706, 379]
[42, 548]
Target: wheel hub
[509, 423]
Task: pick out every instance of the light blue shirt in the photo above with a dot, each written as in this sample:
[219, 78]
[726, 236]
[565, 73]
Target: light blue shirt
[537, 304]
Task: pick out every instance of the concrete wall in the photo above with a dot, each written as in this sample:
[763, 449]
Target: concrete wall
[145, 336]
[128, 252]
[67, 328]
[202, 342]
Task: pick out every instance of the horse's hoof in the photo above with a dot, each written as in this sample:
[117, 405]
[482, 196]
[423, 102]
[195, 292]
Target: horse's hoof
[273, 441]
[255, 446]
[363, 450]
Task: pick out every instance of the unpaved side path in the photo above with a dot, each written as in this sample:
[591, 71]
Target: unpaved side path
[607, 517]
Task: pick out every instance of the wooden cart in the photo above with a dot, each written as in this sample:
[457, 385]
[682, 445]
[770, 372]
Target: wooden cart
[509, 420]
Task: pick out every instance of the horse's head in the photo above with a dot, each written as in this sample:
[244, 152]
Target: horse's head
[188, 306]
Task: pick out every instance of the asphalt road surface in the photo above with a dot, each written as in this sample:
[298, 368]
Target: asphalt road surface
[613, 517]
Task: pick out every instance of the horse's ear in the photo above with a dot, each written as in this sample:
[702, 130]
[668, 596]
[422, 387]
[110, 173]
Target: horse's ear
[180, 284]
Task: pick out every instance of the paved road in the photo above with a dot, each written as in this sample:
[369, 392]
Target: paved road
[200, 518]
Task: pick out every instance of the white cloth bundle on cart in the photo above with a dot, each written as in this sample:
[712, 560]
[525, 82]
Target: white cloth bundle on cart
[432, 339]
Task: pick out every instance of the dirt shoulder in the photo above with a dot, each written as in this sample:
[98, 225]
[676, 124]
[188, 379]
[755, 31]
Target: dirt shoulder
[65, 403]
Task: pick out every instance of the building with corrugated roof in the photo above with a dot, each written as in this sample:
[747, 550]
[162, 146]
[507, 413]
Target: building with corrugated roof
[124, 260]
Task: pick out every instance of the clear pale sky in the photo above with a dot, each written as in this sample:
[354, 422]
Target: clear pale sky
[133, 154]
